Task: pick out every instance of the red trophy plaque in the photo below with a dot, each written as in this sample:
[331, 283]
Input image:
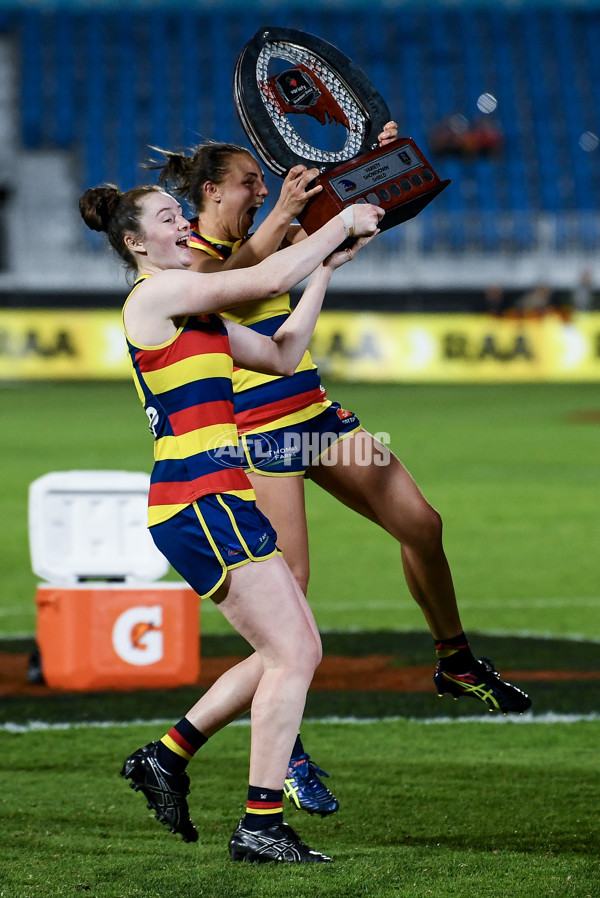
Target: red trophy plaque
[317, 80]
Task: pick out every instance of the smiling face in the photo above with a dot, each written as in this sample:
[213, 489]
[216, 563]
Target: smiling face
[229, 207]
[165, 232]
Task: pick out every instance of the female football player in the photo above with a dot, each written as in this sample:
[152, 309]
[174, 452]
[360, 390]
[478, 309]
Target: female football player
[202, 513]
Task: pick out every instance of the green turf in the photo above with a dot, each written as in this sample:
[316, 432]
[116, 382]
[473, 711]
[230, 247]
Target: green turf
[513, 469]
[454, 810]
[466, 808]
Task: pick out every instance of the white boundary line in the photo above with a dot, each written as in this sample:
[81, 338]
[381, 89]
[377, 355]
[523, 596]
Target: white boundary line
[39, 726]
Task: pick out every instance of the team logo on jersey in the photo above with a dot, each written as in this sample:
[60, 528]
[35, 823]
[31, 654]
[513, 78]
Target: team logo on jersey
[343, 413]
[152, 420]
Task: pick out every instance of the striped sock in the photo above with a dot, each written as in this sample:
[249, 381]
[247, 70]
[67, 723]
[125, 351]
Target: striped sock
[264, 808]
[179, 745]
[455, 654]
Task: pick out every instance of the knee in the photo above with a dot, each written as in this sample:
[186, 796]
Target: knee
[308, 653]
[433, 525]
[318, 653]
[425, 535]
[314, 652]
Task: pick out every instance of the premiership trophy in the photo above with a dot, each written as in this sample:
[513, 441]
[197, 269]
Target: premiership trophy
[315, 79]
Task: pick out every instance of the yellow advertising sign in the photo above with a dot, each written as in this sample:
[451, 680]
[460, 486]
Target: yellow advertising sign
[359, 346]
[456, 348]
[62, 345]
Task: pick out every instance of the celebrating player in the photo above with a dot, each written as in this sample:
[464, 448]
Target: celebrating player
[291, 430]
[202, 513]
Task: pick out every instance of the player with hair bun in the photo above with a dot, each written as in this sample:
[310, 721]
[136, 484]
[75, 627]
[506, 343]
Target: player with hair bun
[201, 506]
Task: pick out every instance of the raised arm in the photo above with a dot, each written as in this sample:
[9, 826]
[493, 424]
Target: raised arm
[278, 228]
[169, 294]
[282, 353]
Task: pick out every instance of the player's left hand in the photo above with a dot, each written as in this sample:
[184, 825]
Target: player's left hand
[389, 133]
[341, 256]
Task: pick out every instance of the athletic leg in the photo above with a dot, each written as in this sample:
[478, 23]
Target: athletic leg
[281, 499]
[364, 475]
[264, 604]
[194, 541]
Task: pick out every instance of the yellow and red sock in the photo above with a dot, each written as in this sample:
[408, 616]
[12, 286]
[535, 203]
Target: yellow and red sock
[263, 808]
[455, 654]
[177, 747]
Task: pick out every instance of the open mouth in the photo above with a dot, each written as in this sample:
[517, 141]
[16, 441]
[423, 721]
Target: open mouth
[252, 212]
[183, 241]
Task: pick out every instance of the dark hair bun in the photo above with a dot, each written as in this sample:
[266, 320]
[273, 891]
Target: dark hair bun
[97, 206]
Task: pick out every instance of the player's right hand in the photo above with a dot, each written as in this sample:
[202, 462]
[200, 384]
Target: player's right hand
[366, 218]
[294, 190]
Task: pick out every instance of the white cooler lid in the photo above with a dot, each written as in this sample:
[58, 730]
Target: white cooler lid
[92, 525]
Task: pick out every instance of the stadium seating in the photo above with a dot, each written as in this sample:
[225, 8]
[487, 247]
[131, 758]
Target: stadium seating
[109, 84]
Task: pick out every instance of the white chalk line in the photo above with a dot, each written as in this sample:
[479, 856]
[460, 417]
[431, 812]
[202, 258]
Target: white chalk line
[39, 726]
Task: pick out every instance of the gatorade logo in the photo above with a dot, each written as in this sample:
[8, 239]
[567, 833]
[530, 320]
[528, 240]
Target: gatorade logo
[137, 635]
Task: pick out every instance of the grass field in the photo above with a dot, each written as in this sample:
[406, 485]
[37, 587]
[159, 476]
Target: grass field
[456, 810]
[514, 471]
[445, 807]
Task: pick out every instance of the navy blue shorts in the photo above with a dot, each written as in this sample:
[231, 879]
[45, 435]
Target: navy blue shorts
[215, 534]
[294, 448]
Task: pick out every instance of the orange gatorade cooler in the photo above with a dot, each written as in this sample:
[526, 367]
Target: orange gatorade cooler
[117, 636]
[103, 622]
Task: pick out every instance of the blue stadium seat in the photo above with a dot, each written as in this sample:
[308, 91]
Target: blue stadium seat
[108, 84]
[30, 26]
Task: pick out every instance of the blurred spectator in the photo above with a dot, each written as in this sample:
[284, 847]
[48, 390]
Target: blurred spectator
[447, 138]
[494, 300]
[456, 136]
[537, 302]
[582, 297]
[483, 138]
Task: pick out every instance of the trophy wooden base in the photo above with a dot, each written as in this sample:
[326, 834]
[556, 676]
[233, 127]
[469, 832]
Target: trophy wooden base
[396, 177]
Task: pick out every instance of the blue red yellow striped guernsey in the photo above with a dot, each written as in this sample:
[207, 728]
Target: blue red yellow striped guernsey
[185, 386]
[261, 401]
